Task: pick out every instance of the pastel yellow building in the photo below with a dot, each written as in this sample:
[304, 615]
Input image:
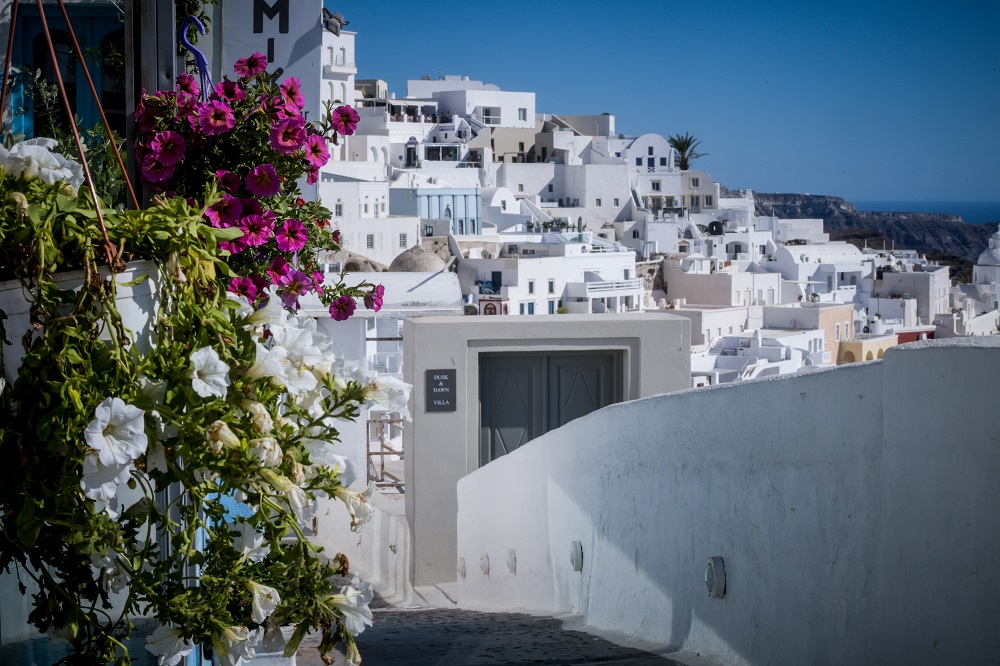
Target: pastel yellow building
[866, 348]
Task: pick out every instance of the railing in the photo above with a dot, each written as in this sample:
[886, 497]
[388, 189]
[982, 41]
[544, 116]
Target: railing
[382, 433]
[605, 287]
[333, 70]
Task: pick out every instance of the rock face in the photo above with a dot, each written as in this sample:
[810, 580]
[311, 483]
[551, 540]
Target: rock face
[925, 232]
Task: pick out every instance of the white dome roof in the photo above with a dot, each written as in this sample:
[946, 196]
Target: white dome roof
[990, 257]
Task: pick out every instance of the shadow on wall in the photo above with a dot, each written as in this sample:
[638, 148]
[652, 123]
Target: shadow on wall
[854, 509]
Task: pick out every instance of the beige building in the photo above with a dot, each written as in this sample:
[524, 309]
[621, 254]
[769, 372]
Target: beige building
[484, 386]
[837, 319]
[868, 347]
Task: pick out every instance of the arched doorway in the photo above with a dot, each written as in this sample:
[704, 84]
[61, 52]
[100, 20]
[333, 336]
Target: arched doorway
[849, 357]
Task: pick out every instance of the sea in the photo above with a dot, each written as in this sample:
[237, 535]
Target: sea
[973, 212]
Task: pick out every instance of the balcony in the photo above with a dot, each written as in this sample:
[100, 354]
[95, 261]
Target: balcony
[603, 289]
[340, 68]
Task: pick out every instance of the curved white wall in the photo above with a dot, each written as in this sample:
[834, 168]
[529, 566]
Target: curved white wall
[855, 508]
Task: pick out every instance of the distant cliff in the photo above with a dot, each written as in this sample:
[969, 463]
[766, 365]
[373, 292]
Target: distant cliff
[929, 233]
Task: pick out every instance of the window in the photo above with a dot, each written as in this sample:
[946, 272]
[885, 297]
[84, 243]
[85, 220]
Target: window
[371, 241]
[503, 205]
[598, 202]
[521, 309]
[402, 241]
[520, 146]
[366, 209]
[616, 202]
[838, 332]
[695, 201]
[638, 161]
[383, 206]
[708, 199]
[491, 115]
[696, 182]
[552, 307]
[552, 286]
[531, 286]
[635, 233]
[338, 209]
[656, 185]
[649, 150]
[663, 161]
[550, 187]
[520, 187]
[522, 114]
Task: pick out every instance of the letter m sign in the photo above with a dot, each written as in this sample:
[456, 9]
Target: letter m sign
[262, 8]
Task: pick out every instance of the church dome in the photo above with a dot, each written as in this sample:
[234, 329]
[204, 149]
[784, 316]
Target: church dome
[991, 255]
[417, 259]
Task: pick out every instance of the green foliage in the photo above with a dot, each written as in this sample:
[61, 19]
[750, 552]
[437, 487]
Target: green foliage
[684, 146]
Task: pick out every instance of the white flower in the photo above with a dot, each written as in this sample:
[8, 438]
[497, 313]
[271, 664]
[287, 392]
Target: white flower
[265, 601]
[294, 496]
[358, 505]
[168, 645]
[261, 418]
[272, 314]
[250, 543]
[156, 458]
[219, 435]
[353, 601]
[236, 643]
[266, 450]
[269, 363]
[322, 455]
[390, 393]
[100, 481]
[33, 159]
[274, 640]
[3, 384]
[117, 432]
[210, 376]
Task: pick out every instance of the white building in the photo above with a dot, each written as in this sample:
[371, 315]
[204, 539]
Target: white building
[541, 273]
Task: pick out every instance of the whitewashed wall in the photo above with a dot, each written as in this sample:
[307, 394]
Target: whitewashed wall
[855, 509]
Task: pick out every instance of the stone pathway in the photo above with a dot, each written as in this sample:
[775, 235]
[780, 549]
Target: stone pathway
[454, 637]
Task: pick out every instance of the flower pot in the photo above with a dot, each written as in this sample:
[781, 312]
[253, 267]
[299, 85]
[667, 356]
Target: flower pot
[136, 304]
[267, 658]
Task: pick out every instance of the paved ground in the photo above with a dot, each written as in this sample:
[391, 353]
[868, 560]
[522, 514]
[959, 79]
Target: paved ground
[453, 637]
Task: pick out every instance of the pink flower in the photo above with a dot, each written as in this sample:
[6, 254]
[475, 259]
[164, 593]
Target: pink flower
[252, 207]
[279, 270]
[263, 181]
[188, 85]
[228, 90]
[291, 92]
[255, 64]
[225, 212]
[215, 118]
[313, 175]
[316, 151]
[228, 180]
[155, 171]
[344, 120]
[292, 236]
[295, 284]
[288, 135]
[373, 301]
[235, 246]
[260, 282]
[336, 236]
[243, 286]
[342, 308]
[168, 147]
[256, 230]
[318, 279]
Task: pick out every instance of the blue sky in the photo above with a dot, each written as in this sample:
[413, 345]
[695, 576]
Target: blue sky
[869, 101]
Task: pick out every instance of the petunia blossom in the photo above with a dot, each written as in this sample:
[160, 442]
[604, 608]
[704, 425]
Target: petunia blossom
[266, 451]
[263, 181]
[250, 543]
[291, 92]
[279, 270]
[228, 180]
[373, 300]
[187, 85]
[228, 90]
[215, 117]
[256, 230]
[117, 432]
[156, 171]
[352, 601]
[235, 645]
[243, 286]
[210, 374]
[34, 158]
[100, 482]
[295, 284]
[168, 147]
[316, 150]
[344, 120]
[291, 236]
[251, 65]
[358, 505]
[269, 363]
[265, 601]
[225, 212]
[288, 135]
[169, 646]
[342, 308]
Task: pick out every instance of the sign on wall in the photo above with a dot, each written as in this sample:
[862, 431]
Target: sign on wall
[440, 390]
[289, 33]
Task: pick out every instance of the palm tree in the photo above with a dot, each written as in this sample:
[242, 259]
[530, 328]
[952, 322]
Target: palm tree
[684, 145]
